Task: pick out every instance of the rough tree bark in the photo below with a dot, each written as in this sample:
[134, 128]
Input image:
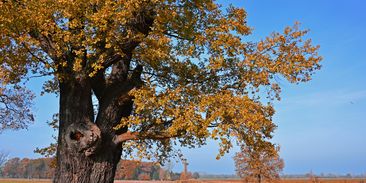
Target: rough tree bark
[89, 149]
[87, 152]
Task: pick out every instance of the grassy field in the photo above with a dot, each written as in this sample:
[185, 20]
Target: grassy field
[203, 181]
[24, 181]
[288, 181]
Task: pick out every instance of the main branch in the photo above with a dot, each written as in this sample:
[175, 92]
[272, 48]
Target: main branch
[142, 136]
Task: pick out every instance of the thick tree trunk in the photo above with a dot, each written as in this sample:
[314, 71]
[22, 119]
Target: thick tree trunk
[259, 178]
[87, 150]
[86, 153]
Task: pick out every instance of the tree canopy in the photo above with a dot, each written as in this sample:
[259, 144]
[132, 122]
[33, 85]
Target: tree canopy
[188, 67]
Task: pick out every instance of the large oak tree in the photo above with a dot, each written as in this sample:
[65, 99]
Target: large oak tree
[140, 76]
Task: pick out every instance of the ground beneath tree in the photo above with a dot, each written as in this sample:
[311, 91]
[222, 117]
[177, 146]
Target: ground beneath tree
[335, 180]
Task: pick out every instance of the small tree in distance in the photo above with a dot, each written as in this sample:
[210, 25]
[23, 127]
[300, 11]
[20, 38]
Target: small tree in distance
[256, 164]
[195, 175]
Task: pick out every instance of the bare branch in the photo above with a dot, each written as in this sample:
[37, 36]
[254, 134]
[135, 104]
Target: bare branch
[112, 60]
[35, 56]
[142, 136]
[15, 108]
[45, 42]
[41, 75]
[177, 36]
[98, 84]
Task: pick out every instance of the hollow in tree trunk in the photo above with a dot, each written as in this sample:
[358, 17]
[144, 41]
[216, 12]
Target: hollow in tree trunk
[86, 151]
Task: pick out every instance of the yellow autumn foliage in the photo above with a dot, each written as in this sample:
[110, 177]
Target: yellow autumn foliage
[202, 78]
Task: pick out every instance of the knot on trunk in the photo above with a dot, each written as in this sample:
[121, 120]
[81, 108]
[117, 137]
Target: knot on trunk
[83, 138]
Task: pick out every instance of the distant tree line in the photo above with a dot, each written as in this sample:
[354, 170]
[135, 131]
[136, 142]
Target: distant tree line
[28, 168]
[137, 170]
[44, 168]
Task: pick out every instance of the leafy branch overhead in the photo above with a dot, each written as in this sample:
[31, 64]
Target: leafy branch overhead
[185, 69]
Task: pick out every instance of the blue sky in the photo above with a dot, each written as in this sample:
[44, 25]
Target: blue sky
[321, 124]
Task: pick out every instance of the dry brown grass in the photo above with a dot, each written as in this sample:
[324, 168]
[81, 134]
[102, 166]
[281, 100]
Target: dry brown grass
[324, 181]
[25, 181]
[286, 181]
[203, 181]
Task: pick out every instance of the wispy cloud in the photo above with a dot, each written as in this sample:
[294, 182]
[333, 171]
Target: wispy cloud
[327, 98]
